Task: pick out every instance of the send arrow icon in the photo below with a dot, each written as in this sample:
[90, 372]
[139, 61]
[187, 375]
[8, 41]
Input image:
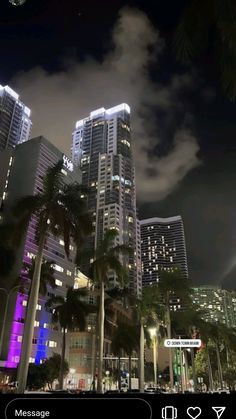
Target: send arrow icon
[219, 411]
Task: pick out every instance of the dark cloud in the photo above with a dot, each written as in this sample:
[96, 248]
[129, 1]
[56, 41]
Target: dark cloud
[57, 100]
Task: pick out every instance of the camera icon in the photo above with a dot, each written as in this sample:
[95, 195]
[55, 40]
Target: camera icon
[169, 412]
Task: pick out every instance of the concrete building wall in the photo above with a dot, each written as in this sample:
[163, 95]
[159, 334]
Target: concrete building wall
[29, 163]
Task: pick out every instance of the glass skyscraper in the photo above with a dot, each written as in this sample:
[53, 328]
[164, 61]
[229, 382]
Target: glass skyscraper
[162, 247]
[15, 122]
[102, 147]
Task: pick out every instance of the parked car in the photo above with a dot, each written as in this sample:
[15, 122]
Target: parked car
[153, 390]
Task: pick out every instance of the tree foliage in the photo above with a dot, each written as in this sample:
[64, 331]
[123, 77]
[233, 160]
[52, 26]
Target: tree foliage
[210, 26]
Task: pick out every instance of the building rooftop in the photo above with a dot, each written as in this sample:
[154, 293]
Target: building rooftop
[161, 220]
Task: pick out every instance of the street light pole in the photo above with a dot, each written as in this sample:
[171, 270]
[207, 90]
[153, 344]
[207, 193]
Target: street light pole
[153, 332]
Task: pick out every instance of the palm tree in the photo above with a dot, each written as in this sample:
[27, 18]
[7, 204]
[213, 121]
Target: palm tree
[205, 24]
[172, 284]
[46, 277]
[106, 259]
[61, 211]
[189, 322]
[126, 338]
[149, 311]
[71, 313]
[221, 336]
[7, 253]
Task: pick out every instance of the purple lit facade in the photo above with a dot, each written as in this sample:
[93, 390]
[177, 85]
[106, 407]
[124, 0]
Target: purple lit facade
[26, 179]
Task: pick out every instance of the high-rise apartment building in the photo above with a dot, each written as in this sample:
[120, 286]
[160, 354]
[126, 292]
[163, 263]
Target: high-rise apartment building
[162, 247]
[24, 170]
[15, 123]
[102, 146]
[218, 305]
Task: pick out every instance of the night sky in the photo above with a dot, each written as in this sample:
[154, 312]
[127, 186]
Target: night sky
[66, 58]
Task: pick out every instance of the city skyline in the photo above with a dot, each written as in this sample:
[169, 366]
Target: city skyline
[184, 155]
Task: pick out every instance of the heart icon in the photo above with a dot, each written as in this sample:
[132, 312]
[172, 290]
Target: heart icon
[194, 412]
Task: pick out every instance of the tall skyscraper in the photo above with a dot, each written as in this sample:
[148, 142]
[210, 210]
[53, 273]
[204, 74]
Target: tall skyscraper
[218, 305]
[15, 123]
[162, 247]
[102, 146]
[24, 169]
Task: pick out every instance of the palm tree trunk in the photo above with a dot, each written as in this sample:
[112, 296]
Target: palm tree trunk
[30, 318]
[219, 366]
[141, 358]
[170, 350]
[181, 369]
[94, 359]
[193, 370]
[186, 369]
[130, 370]
[63, 352]
[119, 374]
[209, 370]
[101, 338]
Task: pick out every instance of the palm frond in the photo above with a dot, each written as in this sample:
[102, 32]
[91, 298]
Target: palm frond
[71, 312]
[27, 206]
[53, 181]
[108, 240]
[122, 249]
[191, 35]
[7, 259]
[116, 266]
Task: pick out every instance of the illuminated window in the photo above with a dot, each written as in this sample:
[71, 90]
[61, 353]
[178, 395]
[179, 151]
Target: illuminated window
[19, 338]
[24, 303]
[31, 360]
[52, 344]
[36, 323]
[69, 273]
[38, 307]
[58, 282]
[30, 255]
[58, 268]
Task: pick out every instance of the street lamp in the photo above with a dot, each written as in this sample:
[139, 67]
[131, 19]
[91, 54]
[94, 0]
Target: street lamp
[153, 334]
[8, 294]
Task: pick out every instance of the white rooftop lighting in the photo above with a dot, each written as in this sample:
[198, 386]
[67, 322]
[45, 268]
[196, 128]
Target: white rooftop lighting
[27, 111]
[11, 92]
[118, 108]
[97, 112]
[79, 123]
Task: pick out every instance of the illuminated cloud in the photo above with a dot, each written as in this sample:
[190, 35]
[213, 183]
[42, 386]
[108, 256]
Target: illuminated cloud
[58, 100]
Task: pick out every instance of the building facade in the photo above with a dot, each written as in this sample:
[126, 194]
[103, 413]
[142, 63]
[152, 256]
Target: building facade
[24, 170]
[162, 247]
[102, 146]
[15, 122]
[219, 305]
